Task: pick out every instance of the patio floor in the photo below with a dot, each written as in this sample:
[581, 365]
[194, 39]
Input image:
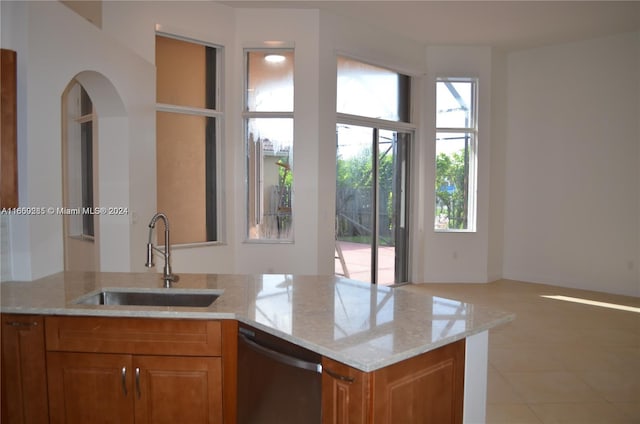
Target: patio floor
[357, 257]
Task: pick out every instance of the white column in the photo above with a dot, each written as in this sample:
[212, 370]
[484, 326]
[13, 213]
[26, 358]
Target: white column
[475, 378]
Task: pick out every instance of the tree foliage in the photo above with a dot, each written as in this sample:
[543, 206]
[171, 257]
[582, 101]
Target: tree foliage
[451, 193]
[354, 182]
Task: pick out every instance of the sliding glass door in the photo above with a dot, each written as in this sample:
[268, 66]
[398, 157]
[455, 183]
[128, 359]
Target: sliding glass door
[373, 105]
[371, 204]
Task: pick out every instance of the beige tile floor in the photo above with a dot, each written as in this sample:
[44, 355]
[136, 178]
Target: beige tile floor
[559, 361]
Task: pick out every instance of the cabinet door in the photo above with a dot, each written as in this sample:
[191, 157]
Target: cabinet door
[345, 394]
[178, 390]
[24, 382]
[426, 389]
[90, 388]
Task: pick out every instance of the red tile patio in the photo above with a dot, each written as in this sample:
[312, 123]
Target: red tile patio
[357, 257]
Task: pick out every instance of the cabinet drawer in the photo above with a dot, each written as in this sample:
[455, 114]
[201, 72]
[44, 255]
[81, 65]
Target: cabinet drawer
[133, 335]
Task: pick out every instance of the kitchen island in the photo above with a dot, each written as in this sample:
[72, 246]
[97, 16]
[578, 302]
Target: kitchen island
[355, 326]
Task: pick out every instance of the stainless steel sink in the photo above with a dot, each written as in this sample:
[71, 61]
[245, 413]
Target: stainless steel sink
[167, 297]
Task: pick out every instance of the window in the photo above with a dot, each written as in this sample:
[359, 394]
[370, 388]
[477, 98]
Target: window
[79, 163]
[372, 169]
[372, 91]
[188, 121]
[268, 122]
[456, 154]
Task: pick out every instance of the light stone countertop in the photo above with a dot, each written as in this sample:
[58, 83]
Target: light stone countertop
[362, 325]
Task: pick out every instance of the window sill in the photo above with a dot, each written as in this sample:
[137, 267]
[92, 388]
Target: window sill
[83, 237]
[437, 231]
[267, 241]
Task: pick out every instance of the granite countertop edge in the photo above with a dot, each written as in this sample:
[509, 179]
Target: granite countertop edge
[222, 311]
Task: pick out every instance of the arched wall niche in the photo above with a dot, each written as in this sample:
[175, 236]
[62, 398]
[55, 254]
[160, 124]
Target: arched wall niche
[103, 93]
[112, 170]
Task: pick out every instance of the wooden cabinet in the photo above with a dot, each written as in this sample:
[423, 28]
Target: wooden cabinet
[112, 388]
[134, 370]
[23, 375]
[8, 130]
[428, 388]
[90, 388]
[134, 335]
[346, 394]
[137, 370]
[178, 389]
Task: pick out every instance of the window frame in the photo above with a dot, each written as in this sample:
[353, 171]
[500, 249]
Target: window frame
[472, 172]
[80, 167]
[217, 114]
[247, 116]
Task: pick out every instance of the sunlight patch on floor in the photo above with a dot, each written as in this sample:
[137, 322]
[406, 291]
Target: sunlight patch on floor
[594, 303]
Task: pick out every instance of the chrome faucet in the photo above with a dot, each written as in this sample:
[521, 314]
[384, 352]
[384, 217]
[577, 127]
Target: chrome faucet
[167, 275]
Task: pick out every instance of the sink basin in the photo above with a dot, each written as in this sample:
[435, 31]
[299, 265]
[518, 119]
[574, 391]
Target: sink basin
[150, 298]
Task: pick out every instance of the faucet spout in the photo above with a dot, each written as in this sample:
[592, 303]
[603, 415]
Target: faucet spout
[167, 275]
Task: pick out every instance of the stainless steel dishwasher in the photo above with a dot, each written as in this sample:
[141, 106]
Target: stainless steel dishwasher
[278, 382]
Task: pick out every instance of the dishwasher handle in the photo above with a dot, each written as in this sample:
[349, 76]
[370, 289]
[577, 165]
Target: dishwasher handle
[281, 357]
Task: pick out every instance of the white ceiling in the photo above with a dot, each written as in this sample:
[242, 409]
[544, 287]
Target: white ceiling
[507, 24]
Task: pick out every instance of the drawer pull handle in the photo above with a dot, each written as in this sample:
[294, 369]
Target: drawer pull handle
[138, 392]
[22, 324]
[124, 381]
[340, 377]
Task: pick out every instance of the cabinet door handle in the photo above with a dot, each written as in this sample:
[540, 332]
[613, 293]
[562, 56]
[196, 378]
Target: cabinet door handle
[138, 392]
[124, 380]
[340, 377]
[280, 357]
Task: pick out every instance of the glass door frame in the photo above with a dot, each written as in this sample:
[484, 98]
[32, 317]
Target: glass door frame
[401, 202]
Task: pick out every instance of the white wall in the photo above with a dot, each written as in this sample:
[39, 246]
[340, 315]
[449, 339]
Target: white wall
[541, 109]
[5, 246]
[297, 29]
[15, 250]
[134, 25]
[48, 60]
[572, 215]
[497, 168]
[123, 51]
[460, 256]
[341, 36]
